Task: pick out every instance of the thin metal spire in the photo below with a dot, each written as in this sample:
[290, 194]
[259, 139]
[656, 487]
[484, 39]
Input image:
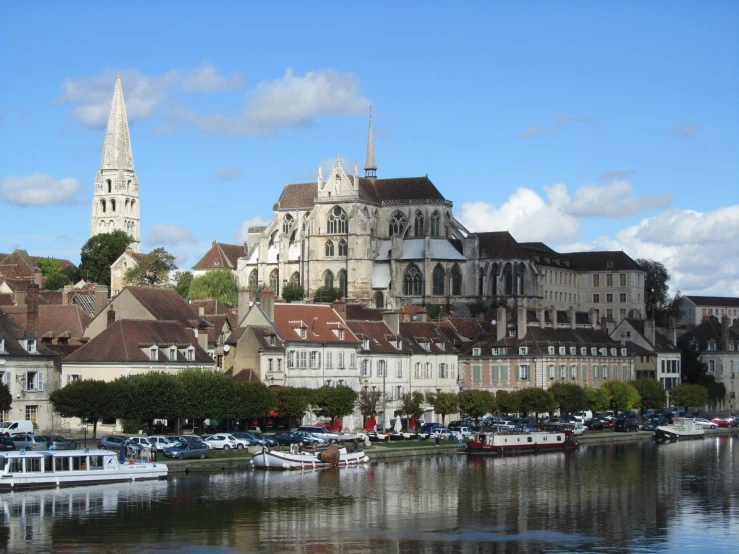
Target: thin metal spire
[370, 166]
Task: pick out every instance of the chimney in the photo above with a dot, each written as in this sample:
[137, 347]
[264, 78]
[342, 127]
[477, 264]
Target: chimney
[32, 309]
[541, 316]
[572, 318]
[268, 304]
[38, 277]
[673, 336]
[111, 316]
[725, 324]
[313, 325]
[604, 324]
[501, 323]
[202, 340]
[65, 295]
[246, 248]
[339, 306]
[392, 320]
[591, 318]
[553, 317]
[522, 323]
[244, 301]
[101, 298]
[649, 331]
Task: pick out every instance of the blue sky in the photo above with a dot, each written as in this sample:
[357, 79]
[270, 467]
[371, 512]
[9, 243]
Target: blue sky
[584, 125]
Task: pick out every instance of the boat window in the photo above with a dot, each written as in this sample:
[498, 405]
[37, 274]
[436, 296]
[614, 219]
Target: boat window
[48, 464]
[33, 464]
[16, 465]
[79, 463]
[559, 438]
[96, 462]
[530, 439]
[61, 464]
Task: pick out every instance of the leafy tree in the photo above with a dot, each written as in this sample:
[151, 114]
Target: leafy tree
[56, 281]
[599, 400]
[569, 397]
[689, 395]
[292, 292]
[623, 396]
[48, 266]
[73, 273]
[334, 402]
[152, 271]
[445, 403]
[368, 401]
[327, 294]
[293, 402]
[219, 284]
[205, 394]
[655, 285]
[476, 403]
[716, 390]
[694, 369]
[411, 404]
[252, 399]
[99, 252]
[6, 399]
[146, 397]
[653, 396]
[86, 399]
[535, 400]
[182, 280]
[508, 402]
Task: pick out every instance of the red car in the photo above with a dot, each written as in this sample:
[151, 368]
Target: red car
[609, 424]
[721, 422]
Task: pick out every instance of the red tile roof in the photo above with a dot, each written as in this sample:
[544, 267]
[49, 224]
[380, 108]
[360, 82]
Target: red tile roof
[378, 333]
[221, 256]
[319, 321]
[55, 321]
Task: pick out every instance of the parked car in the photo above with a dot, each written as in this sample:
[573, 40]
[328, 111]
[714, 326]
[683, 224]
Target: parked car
[594, 425]
[651, 424]
[268, 441]
[733, 421]
[16, 427]
[465, 431]
[707, 424]
[286, 438]
[142, 441]
[181, 450]
[223, 441]
[430, 427]
[248, 437]
[579, 429]
[112, 442]
[609, 423]
[524, 428]
[321, 432]
[626, 425]
[721, 422]
[25, 440]
[308, 435]
[160, 442]
[6, 444]
[44, 442]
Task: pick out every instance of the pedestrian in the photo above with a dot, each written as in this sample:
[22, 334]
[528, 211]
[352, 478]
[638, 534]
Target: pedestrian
[436, 438]
[53, 444]
[459, 439]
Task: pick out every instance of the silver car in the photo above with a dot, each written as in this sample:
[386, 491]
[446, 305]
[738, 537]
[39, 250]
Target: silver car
[26, 441]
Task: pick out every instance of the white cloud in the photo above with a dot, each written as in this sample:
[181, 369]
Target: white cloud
[614, 200]
[241, 233]
[166, 233]
[38, 189]
[206, 79]
[227, 174]
[687, 226]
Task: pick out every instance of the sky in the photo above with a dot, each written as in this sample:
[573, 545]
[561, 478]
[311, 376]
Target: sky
[585, 125]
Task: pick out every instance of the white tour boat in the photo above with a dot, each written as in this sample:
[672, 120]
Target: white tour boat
[298, 459]
[72, 467]
[684, 428]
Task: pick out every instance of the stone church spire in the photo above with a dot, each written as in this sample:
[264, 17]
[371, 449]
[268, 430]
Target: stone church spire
[115, 203]
[370, 165]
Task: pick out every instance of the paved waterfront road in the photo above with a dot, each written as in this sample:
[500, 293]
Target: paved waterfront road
[637, 497]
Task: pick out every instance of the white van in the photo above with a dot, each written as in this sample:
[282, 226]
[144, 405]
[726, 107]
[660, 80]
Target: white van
[13, 428]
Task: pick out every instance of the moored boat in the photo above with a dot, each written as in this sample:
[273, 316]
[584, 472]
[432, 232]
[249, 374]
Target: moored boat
[684, 428]
[298, 459]
[72, 467]
[510, 442]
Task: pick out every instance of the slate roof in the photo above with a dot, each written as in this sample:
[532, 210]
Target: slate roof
[235, 335]
[500, 245]
[713, 300]
[414, 334]
[706, 330]
[598, 261]
[221, 255]
[468, 327]
[164, 304]
[361, 312]
[128, 341]
[319, 321]
[378, 334]
[262, 334]
[538, 340]
[55, 321]
[13, 333]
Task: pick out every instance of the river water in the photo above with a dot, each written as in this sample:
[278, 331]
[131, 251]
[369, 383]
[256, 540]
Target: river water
[641, 497]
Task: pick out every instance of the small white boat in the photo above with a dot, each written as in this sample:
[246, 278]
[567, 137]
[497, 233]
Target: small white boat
[550, 437]
[72, 467]
[684, 428]
[297, 459]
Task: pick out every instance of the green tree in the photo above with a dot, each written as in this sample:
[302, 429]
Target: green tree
[293, 402]
[534, 400]
[508, 402]
[292, 292]
[48, 266]
[694, 369]
[570, 398]
[146, 397]
[56, 281]
[182, 280]
[99, 252]
[655, 285]
[334, 402]
[599, 400]
[205, 394]
[6, 399]
[368, 401]
[86, 399]
[411, 403]
[476, 403]
[716, 390]
[72, 273]
[219, 284]
[327, 294]
[252, 399]
[152, 271]
[445, 403]
[623, 396]
[653, 396]
[689, 395]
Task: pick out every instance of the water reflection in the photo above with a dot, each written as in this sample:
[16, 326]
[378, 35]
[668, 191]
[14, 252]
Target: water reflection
[617, 498]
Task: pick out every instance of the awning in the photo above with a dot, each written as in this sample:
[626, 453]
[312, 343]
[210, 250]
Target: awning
[380, 276]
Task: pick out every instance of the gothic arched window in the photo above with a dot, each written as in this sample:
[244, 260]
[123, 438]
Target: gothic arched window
[508, 279]
[379, 300]
[112, 205]
[274, 281]
[111, 226]
[397, 223]
[253, 280]
[435, 224]
[337, 221]
[481, 282]
[295, 278]
[102, 205]
[342, 282]
[456, 280]
[328, 279]
[133, 207]
[287, 224]
[438, 280]
[494, 280]
[413, 281]
[127, 208]
[520, 279]
[418, 224]
[342, 247]
[329, 248]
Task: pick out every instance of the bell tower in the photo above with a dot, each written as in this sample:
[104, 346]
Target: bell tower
[115, 203]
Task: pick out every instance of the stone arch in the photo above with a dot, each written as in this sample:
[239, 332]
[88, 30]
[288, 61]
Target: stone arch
[520, 279]
[253, 281]
[397, 223]
[111, 226]
[337, 223]
[112, 205]
[494, 275]
[287, 224]
[508, 279]
[295, 279]
[456, 280]
[133, 207]
[127, 207]
[481, 283]
[274, 281]
[328, 278]
[101, 227]
[343, 248]
[103, 205]
[438, 280]
[413, 281]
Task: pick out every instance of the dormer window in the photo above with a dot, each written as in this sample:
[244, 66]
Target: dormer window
[584, 351]
[499, 351]
[365, 344]
[441, 346]
[603, 351]
[551, 350]
[302, 333]
[562, 351]
[613, 351]
[711, 346]
[271, 340]
[623, 352]
[341, 334]
[573, 351]
[523, 350]
[31, 346]
[426, 346]
[173, 353]
[190, 354]
[475, 351]
[694, 345]
[153, 353]
[2, 345]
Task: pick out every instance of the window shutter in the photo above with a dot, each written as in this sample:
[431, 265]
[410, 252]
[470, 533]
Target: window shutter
[24, 382]
[39, 381]
[518, 373]
[319, 360]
